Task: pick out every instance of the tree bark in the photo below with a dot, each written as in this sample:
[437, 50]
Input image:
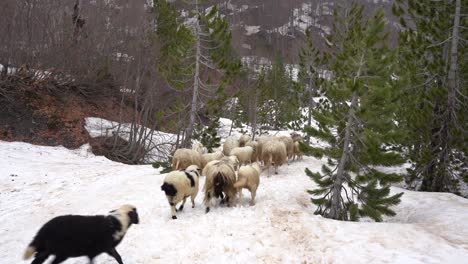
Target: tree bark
[193, 109]
[442, 182]
[336, 205]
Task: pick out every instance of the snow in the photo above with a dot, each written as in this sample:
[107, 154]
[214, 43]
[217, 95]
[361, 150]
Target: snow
[304, 17]
[38, 183]
[250, 30]
[246, 46]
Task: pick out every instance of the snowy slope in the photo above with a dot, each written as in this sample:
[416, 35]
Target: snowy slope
[38, 183]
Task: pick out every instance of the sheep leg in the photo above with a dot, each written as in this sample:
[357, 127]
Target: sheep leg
[276, 169]
[59, 259]
[240, 195]
[192, 198]
[173, 210]
[183, 203]
[40, 258]
[253, 193]
[113, 252]
[207, 201]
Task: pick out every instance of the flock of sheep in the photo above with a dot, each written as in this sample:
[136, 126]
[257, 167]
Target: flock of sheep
[237, 166]
[227, 172]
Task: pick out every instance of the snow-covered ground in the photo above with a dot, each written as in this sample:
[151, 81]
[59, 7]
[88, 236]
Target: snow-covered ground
[38, 183]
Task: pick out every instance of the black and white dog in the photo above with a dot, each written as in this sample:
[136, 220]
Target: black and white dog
[77, 235]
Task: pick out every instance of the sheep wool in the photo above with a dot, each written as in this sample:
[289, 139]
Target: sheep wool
[297, 152]
[178, 185]
[233, 161]
[229, 144]
[198, 147]
[261, 141]
[243, 154]
[248, 177]
[274, 153]
[243, 140]
[220, 179]
[77, 235]
[289, 143]
[211, 156]
[254, 145]
[185, 157]
[296, 136]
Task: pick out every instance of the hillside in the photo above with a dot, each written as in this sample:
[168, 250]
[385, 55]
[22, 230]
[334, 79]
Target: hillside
[263, 27]
[38, 183]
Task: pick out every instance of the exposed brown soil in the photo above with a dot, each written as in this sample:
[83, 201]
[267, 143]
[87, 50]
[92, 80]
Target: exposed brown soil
[35, 114]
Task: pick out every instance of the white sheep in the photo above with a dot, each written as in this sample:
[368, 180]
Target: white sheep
[248, 177]
[254, 145]
[233, 161]
[219, 183]
[229, 144]
[243, 140]
[261, 141]
[209, 166]
[185, 157]
[289, 143]
[178, 185]
[296, 136]
[297, 152]
[198, 147]
[211, 156]
[244, 154]
[274, 152]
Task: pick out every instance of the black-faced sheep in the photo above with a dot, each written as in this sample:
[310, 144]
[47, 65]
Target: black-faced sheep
[248, 177]
[185, 157]
[71, 236]
[243, 154]
[289, 143]
[219, 183]
[297, 151]
[243, 140]
[178, 185]
[229, 144]
[274, 153]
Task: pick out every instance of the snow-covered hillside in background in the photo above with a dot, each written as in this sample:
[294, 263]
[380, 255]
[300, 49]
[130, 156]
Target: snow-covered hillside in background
[38, 183]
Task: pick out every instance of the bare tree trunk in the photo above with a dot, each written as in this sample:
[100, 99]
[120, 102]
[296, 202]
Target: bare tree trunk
[193, 109]
[453, 70]
[443, 181]
[336, 206]
[311, 104]
[254, 115]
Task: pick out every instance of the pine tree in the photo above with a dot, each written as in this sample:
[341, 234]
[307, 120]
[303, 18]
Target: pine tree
[434, 92]
[356, 120]
[195, 53]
